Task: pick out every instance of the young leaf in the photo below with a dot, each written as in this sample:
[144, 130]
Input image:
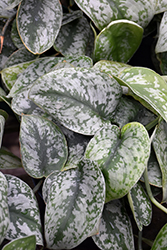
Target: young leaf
[43, 146]
[140, 206]
[74, 205]
[161, 45]
[24, 243]
[160, 241]
[148, 86]
[23, 210]
[115, 231]
[4, 213]
[39, 23]
[122, 156]
[81, 99]
[118, 41]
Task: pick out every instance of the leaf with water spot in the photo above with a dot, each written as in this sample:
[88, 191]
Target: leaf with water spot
[81, 99]
[115, 231]
[39, 23]
[4, 212]
[149, 86]
[160, 241]
[23, 243]
[140, 206]
[23, 210]
[122, 156]
[43, 146]
[118, 41]
[74, 205]
[161, 45]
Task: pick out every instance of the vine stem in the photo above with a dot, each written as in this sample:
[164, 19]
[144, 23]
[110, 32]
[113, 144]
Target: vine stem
[140, 240]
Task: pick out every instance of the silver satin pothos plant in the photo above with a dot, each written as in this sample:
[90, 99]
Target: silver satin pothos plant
[92, 127]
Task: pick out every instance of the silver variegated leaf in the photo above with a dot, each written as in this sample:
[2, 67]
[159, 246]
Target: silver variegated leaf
[115, 231]
[118, 41]
[148, 86]
[73, 15]
[43, 146]
[160, 148]
[15, 36]
[23, 243]
[74, 205]
[39, 23]
[160, 241]
[12, 3]
[102, 12]
[4, 212]
[23, 210]
[8, 160]
[140, 206]
[161, 6]
[2, 125]
[4, 11]
[81, 99]
[122, 156]
[161, 45]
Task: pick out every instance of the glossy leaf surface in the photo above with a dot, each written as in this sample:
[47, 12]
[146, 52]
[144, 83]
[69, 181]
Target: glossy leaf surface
[122, 156]
[77, 97]
[160, 148]
[4, 213]
[161, 45]
[140, 206]
[74, 205]
[102, 12]
[24, 243]
[115, 231]
[39, 24]
[160, 241]
[118, 41]
[23, 210]
[148, 86]
[43, 146]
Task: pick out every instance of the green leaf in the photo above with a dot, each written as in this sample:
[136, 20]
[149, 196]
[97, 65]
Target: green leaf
[4, 213]
[162, 57]
[15, 36]
[140, 206]
[8, 160]
[74, 205]
[70, 17]
[78, 98]
[43, 146]
[9, 75]
[122, 156]
[160, 148]
[115, 231]
[160, 241]
[148, 86]
[161, 6]
[24, 243]
[118, 41]
[23, 210]
[73, 37]
[2, 125]
[39, 23]
[161, 45]
[102, 12]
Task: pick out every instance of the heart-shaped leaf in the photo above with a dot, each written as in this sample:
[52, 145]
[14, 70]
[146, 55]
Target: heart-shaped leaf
[161, 45]
[115, 231]
[148, 86]
[140, 206]
[39, 23]
[23, 210]
[74, 205]
[81, 99]
[43, 146]
[24, 243]
[160, 241]
[118, 41]
[122, 156]
[4, 213]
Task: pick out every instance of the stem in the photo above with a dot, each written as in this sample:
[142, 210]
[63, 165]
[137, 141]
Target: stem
[153, 123]
[36, 188]
[153, 200]
[140, 240]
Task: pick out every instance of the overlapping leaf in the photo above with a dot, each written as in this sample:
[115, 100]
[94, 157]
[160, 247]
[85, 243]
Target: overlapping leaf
[39, 23]
[140, 206]
[148, 86]
[23, 209]
[122, 156]
[160, 241]
[24, 243]
[161, 45]
[118, 41]
[74, 205]
[8, 160]
[43, 146]
[102, 12]
[4, 213]
[79, 98]
[115, 231]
